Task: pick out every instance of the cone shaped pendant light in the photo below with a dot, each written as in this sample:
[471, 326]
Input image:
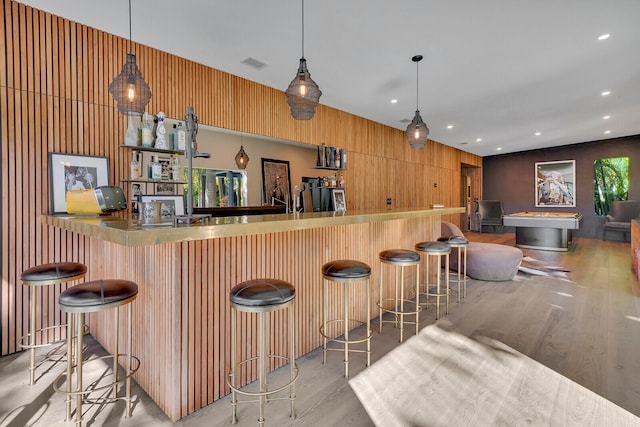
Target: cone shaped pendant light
[417, 131]
[129, 89]
[303, 93]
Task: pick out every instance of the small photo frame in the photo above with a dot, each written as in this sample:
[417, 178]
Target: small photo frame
[171, 205]
[555, 184]
[339, 202]
[74, 172]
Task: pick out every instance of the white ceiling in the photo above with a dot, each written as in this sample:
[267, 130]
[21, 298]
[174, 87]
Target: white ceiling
[499, 70]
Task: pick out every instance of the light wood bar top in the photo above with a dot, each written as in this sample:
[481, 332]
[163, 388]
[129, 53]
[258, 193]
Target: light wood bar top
[127, 232]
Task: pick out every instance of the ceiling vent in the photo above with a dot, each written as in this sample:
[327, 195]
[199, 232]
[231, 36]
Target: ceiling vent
[254, 63]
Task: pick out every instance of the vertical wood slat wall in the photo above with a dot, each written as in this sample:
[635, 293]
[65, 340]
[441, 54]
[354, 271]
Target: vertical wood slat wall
[182, 313]
[54, 77]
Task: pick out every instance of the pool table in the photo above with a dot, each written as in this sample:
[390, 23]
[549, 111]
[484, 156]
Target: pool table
[550, 231]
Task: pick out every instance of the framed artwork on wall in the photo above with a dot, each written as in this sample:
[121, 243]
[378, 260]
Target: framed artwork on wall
[74, 172]
[555, 184]
[276, 182]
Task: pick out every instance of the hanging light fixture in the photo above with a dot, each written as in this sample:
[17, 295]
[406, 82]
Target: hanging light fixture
[129, 89]
[417, 131]
[241, 158]
[303, 93]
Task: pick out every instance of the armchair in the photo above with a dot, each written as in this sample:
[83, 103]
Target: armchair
[620, 216]
[489, 212]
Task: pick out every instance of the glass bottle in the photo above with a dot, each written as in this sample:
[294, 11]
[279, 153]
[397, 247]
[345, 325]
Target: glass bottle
[156, 169]
[337, 156]
[134, 166]
[146, 135]
[176, 170]
[180, 138]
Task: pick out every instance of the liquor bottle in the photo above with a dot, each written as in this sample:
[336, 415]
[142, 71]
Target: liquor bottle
[172, 138]
[341, 184]
[145, 133]
[337, 156]
[332, 157]
[156, 169]
[134, 166]
[176, 170]
[180, 138]
[343, 158]
[318, 161]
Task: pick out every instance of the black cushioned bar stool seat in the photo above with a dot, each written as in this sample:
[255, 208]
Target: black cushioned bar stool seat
[45, 275]
[459, 244]
[92, 297]
[436, 249]
[345, 271]
[399, 258]
[262, 296]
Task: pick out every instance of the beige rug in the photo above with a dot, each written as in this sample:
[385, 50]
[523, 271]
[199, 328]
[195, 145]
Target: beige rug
[440, 378]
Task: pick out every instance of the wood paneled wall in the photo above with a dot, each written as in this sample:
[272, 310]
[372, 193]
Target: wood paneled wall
[54, 77]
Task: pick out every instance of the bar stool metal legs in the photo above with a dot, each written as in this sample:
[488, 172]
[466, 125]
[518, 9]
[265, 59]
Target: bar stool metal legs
[399, 259]
[262, 296]
[437, 250]
[460, 278]
[35, 278]
[345, 272]
[87, 298]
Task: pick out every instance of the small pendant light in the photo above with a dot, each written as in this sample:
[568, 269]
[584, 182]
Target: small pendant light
[303, 93]
[242, 158]
[129, 89]
[417, 131]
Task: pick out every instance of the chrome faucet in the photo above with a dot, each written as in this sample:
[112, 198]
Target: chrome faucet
[286, 203]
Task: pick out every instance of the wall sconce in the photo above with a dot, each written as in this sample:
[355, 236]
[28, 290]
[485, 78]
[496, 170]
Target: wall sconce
[242, 159]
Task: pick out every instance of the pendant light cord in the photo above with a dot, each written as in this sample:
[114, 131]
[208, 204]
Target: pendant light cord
[303, 28]
[130, 43]
[417, 63]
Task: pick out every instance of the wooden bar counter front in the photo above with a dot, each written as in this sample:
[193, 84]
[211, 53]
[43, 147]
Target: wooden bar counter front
[182, 316]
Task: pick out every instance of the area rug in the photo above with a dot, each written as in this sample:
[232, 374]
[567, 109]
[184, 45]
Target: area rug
[440, 378]
[536, 267]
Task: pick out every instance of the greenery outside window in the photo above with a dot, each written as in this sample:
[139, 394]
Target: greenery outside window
[611, 182]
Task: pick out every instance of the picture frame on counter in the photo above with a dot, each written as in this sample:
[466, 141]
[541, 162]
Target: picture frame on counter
[276, 181]
[339, 202]
[74, 172]
[171, 205]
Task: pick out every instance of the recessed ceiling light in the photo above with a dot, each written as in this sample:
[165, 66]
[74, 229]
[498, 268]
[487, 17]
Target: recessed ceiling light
[607, 132]
[449, 126]
[538, 134]
[604, 36]
[606, 117]
[606, 92]
[394, 101]
[499, 149]
[479, 140]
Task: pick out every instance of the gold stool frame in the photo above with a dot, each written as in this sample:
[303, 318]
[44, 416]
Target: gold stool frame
[263, 356]
[33, 303]
[438, 291]
[74, 349]
[461, 274]
[401, 300]
[345, 319]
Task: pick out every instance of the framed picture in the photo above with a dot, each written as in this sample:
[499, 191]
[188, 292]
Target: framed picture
[276, 181]
[555, 184]
[339, 203]
[171, 205]
[74, 172]
[165, 188]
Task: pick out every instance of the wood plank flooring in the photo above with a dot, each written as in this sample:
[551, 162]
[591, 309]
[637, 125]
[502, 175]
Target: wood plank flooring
[586, 328]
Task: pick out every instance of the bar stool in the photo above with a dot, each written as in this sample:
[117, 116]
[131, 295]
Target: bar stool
[345, 272]
[91, 297]
[262, 296]
[436, 249]
[44, 275]
[460, 244]
[399, 258]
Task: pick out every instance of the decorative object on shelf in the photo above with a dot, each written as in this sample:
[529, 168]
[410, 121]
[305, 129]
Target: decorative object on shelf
[343, 158]
[170, 206]
[337, 158]
[74, 172]
[332, 157]
[339, 203]
[161, 141]
[303, 93]
[129, 89]
[180, 139]
[146, 136]
[417, 131]
[242, 158]
[131, 136]
[320, 157]
[134, 166]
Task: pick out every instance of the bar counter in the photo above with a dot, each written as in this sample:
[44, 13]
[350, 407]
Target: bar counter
[185, 273]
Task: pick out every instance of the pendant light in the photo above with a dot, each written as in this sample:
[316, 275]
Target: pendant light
[129, 89]
[241, 158]
[417, 131]
[303, 93]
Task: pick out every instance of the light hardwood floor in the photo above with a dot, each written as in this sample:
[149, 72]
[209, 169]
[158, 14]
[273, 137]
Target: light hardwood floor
[586, 328]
